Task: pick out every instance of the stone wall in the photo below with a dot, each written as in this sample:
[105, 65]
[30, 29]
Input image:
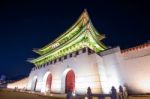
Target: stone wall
[136, 70]
[20, 84]
[83, 63]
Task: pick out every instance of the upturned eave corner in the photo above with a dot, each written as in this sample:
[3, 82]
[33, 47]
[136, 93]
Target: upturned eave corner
[82, 20]
[81, 32]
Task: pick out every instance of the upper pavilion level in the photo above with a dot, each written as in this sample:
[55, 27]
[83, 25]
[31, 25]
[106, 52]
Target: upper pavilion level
[82, 34]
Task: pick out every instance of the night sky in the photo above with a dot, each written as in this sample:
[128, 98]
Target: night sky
[25, 25]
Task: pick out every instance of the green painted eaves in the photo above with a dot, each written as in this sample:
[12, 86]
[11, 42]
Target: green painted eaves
[80, 35]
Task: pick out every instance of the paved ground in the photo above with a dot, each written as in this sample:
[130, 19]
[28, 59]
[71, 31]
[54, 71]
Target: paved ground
[18, 95]
[4, 94]
[139, 97]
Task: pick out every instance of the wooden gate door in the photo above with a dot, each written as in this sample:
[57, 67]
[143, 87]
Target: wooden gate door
[49, 82]
[70, 81]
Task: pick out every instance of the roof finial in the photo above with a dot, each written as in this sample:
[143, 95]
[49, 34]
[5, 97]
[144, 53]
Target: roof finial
[85, 10]
[85, 16]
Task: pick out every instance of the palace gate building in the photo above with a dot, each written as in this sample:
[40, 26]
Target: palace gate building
[78, 59]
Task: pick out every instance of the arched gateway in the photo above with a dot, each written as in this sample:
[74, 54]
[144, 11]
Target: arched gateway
[34, 88]
[47, 82]
[34, 83]
[70, 81]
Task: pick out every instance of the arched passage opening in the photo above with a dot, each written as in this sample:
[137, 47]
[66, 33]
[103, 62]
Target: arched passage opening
[47, 82]
[34, 84]
[70, 81]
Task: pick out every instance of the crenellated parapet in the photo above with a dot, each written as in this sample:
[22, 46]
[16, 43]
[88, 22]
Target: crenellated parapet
[137, 51]
[139, 47]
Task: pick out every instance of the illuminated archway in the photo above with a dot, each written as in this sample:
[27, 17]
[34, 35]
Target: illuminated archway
[47, 82]
[34, 83]
[68, 81]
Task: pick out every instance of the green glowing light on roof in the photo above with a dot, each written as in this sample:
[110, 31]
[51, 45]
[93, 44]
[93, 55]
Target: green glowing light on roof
[82, 34]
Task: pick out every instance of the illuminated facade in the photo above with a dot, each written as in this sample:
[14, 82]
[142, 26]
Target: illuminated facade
[70, 60]
[78, 59]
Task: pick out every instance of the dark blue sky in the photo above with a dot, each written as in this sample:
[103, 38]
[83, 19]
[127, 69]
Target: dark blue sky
[25, 25]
